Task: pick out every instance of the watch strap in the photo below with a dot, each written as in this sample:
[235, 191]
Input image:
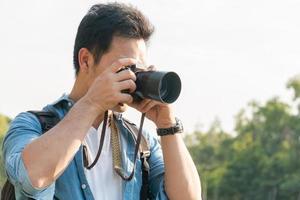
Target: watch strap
[177, 128]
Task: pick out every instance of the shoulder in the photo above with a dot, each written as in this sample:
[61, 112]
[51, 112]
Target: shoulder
[22, 126]
[25, 119]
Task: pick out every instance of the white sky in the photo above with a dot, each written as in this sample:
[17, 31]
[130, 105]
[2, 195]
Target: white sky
[227, 52]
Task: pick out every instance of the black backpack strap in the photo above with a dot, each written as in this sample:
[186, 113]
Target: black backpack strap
[47, 119]
[145, 190]
[145, 154]
[8, 191]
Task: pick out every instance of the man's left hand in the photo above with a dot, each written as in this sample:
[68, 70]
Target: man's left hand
[161, 114]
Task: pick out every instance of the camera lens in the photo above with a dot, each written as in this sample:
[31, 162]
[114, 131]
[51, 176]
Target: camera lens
[157, 85]
[164, 89]
[170, 87]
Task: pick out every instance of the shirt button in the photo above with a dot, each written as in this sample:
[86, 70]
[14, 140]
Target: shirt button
[69, 104]
[83, 186]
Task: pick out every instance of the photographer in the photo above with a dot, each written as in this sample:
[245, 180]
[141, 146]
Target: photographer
[51, 165]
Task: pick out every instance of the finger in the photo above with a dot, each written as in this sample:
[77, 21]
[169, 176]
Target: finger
[151, 68]
[127, 84]
[139, 104]
[134, 105]
[125, 98]
[144, 69]
[149, 106]
[144, 103]
[140, 67]
[125, 75]
[117, 65]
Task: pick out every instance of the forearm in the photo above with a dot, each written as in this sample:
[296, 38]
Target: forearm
[46, 157]
[181, 176]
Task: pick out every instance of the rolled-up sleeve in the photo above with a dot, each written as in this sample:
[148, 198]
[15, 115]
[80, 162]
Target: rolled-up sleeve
[23, 129]
[157, 169]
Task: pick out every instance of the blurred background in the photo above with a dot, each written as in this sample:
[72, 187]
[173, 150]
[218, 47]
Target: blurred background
[238, 61]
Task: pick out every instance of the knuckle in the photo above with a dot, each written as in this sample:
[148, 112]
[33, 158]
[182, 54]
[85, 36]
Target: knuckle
[132, 75]
[130, 99]
[127, 73]
[132, 83]
[124, 73]
[127, 83]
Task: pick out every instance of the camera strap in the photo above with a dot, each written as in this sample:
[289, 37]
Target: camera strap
[141, 145]
[144, 157]
[115, 141]
[85, 154]
[49, 119]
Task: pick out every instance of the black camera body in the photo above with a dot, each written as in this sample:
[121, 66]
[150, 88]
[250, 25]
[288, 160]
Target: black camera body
[157, 85]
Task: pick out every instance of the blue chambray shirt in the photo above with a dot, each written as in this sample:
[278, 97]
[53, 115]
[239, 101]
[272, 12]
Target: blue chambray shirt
[72, 184]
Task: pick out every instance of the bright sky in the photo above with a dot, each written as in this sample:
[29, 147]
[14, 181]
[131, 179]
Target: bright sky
[227, 52]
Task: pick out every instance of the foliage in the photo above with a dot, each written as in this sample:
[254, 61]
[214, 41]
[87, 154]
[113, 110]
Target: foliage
[260, 161]
[4, 122]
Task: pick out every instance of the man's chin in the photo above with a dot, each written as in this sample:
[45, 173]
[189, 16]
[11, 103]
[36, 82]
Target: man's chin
[122, 107]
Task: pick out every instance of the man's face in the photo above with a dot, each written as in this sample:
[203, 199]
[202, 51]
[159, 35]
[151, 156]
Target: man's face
[121, 48]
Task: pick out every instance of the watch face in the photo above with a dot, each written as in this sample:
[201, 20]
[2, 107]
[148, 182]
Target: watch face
[177, 128]
[179, 124]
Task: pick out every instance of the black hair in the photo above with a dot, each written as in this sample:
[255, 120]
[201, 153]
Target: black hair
[102, 22]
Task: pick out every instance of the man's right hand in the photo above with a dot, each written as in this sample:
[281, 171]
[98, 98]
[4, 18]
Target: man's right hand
[47, 156]
[106, 90]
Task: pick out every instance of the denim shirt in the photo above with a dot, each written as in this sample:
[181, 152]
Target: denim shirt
[72, 183]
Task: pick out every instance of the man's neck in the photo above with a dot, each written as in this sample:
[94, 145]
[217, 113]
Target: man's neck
[77, 92]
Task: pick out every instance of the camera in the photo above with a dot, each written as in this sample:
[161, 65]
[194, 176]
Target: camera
[157, 85]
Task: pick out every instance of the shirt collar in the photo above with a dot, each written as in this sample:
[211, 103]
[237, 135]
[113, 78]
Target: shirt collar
[64, 101]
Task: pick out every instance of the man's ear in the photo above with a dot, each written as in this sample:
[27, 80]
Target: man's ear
[85, 59]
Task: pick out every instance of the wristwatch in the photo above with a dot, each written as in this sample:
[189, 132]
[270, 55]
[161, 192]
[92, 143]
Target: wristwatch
[177, 128]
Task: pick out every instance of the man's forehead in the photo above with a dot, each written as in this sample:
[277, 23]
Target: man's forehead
[128, 48]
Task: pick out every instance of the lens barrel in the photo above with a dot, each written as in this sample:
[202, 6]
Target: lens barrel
[157, 85]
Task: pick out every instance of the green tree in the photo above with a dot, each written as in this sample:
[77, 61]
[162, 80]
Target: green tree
[210, 151]
[4, 123]
[260, 161]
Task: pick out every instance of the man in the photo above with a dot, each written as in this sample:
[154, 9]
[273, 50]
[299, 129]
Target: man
[46, 166]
